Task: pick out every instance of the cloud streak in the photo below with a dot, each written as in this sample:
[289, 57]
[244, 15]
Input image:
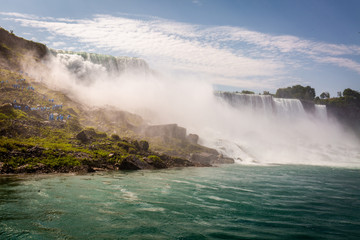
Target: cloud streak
[225, 54]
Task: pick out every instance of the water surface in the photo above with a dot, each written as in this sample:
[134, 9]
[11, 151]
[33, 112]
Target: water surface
[228, 202]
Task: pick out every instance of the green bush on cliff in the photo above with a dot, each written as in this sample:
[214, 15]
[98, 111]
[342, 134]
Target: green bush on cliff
[297, 91]
[154, 158]
[247, 92]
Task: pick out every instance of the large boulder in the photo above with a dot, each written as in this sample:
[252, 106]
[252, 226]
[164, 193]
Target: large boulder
[88, 134]
[133, 163]
[224, 160]
[144, 145]
[155, 161]
[192, 138]
[82, 137]
[203, 158]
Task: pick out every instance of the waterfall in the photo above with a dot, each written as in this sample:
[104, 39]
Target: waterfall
[113, 65]
[259, 129]
[289, 107]
[321, 112]
[264, 103]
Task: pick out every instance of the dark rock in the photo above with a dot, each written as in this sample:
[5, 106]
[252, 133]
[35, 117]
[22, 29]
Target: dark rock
[132, 150]
[83, 169]
[13, 42]
[192, 138]
[203, 158]
[144, 145]
[133, 163]
[210, 158]
[223, 160]
[155, 161]
[308, 106]
[136, 144]
[115, 137]
[88, 134]
[124, 145]
[82, 137]
[347, 115]
[6, 108]
[35, 151]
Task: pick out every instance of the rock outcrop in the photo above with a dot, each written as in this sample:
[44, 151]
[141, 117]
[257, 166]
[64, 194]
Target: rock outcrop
[166, 131]
[192, 138]
[134, 163]
[209, 158]
[88, 134]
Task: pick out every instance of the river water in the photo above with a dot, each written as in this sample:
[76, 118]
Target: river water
[227, 202]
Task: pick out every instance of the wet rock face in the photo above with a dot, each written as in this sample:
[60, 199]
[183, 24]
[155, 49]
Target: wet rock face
[192, 138]
[203, 158]
[210, 158]
[144, 146]
[133, 163]
[166, 131]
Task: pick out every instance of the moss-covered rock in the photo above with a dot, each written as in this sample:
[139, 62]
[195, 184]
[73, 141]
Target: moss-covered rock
[132, 162]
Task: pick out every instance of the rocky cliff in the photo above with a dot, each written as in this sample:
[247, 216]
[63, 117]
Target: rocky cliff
[44, 130]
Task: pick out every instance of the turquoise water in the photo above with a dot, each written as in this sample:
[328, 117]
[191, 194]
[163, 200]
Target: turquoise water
[228, 202]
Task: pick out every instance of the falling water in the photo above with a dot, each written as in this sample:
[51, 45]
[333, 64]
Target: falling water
[321, 112]
[267, 130]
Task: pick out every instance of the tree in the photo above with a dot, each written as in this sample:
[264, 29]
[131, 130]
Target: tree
[247, 92]
[352, 96]
[309, 93]
[325, 95]
[297, 91]
[349, 93]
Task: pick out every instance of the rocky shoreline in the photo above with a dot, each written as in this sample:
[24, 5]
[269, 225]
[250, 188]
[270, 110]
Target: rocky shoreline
[90, 152]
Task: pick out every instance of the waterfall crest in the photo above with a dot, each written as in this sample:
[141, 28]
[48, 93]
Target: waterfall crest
[264, 103]
[87, 63]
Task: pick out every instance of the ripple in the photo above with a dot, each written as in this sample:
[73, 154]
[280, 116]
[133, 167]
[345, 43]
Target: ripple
[228, 202]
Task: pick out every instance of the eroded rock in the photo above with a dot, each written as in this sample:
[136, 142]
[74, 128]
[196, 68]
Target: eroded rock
[133, 163]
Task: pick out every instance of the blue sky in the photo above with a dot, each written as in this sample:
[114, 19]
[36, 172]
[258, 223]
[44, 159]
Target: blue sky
[234, 44]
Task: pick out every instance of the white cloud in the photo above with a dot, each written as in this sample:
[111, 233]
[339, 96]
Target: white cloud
[342, 62]
[230, 55]
[176, 47]
[20, 15]
[197, 2]
[57, 44]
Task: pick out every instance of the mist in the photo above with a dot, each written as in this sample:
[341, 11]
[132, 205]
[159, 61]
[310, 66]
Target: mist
[250, 136]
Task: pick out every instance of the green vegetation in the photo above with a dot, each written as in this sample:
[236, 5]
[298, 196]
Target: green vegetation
[297, 91]
[345, 107]
[155, 158]
[30, 142]
[325, 95]
[348, 98]
[247, 92]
